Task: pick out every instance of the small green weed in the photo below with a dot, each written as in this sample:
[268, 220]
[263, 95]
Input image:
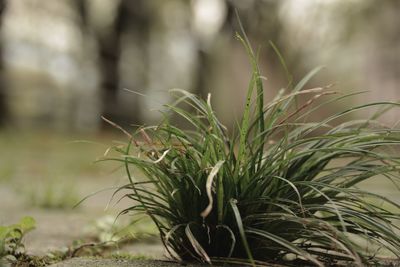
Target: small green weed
[278, 189]
[11, 237]
[107, 229]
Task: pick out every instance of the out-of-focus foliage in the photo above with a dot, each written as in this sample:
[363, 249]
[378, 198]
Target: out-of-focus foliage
[65, 63]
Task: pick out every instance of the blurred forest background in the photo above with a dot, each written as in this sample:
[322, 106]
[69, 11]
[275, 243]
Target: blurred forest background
[65, 63]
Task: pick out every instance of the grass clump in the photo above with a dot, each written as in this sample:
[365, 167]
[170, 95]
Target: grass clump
[53, 196]
[278, 189]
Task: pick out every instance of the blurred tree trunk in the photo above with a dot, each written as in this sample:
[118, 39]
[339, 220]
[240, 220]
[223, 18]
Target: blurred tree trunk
[205, 57]
[109, 54]
[131, 18]
[131, 29]
[3, 102]
[108, 45]
[261, 23]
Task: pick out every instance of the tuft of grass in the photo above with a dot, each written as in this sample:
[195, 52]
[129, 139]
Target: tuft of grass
[278, 189]
[53, 196]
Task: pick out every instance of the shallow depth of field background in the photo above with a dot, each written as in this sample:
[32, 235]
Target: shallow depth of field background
[66, 63]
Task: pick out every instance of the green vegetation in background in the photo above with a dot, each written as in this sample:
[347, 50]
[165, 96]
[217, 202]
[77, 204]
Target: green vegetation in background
[49, 170]
[53, 195]
[268, 192]
[42, 155]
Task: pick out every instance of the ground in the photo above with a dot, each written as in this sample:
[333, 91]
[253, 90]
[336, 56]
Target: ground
[43, 175]
[87, 262]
